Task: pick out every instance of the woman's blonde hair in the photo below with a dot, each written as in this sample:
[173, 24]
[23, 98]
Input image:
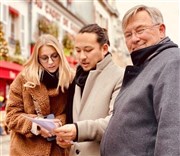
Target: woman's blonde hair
[33, 69]
[153, 12]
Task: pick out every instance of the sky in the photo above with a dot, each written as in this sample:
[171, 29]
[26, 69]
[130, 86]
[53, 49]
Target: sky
[170, 10]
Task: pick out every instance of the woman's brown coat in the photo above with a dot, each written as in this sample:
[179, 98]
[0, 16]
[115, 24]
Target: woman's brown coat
[21, 101]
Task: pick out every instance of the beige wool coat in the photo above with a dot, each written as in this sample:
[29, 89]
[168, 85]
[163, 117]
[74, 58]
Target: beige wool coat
[21, 101]
[93, 110]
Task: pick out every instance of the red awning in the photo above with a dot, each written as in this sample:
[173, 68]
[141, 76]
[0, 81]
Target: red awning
[9, 70]
[13, 11]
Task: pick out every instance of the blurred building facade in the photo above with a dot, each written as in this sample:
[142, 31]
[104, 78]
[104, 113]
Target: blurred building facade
[25, 20]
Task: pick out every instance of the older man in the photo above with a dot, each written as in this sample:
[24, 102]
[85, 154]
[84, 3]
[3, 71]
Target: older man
[146, 120]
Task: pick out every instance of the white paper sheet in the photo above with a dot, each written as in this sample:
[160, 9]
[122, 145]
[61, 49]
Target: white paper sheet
[48, 124]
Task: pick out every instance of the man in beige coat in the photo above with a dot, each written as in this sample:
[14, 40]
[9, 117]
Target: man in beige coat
[92, 95]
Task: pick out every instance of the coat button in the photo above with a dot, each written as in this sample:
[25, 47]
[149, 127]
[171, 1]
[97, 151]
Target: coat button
[77, 151]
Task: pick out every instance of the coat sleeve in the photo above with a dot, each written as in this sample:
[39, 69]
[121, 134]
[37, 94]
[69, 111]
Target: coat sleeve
[15, 109]
[62, 118]
[167, 110]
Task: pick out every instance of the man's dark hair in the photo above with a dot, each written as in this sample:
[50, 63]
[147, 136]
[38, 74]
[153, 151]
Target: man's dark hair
[102, 36]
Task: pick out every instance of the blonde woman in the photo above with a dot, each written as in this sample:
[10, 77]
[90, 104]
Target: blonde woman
[38, 91]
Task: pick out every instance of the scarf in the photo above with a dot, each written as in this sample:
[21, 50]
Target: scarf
[139, 57]
[50, 80]
[80, 80]
[81, 77]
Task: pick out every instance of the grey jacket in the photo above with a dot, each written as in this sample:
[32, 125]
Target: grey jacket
[146, 118]
[93, 110]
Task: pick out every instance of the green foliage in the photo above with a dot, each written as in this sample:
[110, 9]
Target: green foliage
[17, 48]
[4, 51]
[68, 45]
[19, 59]
[47, 27]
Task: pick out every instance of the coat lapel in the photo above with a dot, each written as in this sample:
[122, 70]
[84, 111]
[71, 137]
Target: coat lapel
[40, 96]
[80, 101]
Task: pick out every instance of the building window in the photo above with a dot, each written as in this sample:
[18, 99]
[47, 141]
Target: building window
[0, 11]
[22, 32]
[4, 13]
[13, 24]
[12, 27]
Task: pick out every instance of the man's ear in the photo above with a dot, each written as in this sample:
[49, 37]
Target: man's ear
[105, 48]
[162, 30]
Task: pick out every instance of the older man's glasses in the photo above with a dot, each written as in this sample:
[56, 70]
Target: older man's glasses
[138, 31]
[45, 58]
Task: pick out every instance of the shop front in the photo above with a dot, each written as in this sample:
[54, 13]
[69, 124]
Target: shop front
[8, 72]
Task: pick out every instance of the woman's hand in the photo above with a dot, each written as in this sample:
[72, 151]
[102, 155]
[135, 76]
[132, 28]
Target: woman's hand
[58, 123]
[45, 133]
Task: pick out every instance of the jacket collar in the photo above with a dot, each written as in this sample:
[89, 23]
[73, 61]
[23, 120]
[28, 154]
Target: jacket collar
[139, 57]
[103, 63]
